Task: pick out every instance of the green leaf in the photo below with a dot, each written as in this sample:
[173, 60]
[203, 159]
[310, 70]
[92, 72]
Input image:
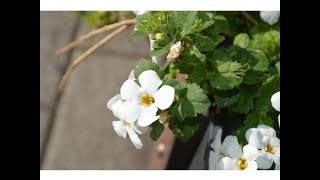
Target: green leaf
[262, 63]
[204, 43]
[226, 98]
[252, 121]
[183, 21]
[221, 25]
[186, 129]
[268, 43]
[173, 83]
[271, 86]
[144, 65]
[278, 67]
[242, 40]
[160, 51]
[194, 50]
[219, 55]
[244, 104]
[227, 75]
[203, 21]
[192, 101]
[156, 131]
[194, 67]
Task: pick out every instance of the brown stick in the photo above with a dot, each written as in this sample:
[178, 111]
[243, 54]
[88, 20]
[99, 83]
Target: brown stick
[86, 54]
[249, 17]
[92, 34]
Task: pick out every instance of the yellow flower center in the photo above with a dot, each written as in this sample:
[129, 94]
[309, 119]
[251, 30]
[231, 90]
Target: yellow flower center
[147, 100]
[268, 148]
[243, 164]
[127, 124]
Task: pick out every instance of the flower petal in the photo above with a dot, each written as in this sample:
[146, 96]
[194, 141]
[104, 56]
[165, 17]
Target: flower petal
[264, 161]
[148, 116]
[120, 129]
[276, 157]
[227, 163]
[250, 153]
[279, 120]
[150, 82]
[130, 90]
[270, 17]
[129, 111]
[214, 160]
[163, 98]
[252, 165]
[254, 137]
[135, 139]
[275, 101]
[267, 130]
[277, 167]
[216, 144]
[231, 147]
[131, 75]
[138, 129]
[115, 108]
[113, 100]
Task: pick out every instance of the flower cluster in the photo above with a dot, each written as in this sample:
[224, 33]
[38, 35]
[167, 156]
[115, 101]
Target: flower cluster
[138, 103]
[262, 150]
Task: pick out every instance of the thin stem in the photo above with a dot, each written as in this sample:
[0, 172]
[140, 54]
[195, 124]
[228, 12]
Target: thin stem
[249, 17]
[92, 34]
[87, 53]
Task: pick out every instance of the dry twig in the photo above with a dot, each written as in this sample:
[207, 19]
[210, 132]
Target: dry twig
[92, 34]
[76, 62]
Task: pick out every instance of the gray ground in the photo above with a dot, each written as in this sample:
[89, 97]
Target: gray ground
[76, 130]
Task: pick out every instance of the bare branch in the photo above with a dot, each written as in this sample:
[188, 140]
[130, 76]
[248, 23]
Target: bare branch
[92, 34]
[81, 58]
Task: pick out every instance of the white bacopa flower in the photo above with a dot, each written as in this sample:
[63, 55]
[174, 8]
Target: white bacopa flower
[240, 160]
[275, 102]
[125, 125]
[175, 51]
[270, 17]
[229, 146]
[264, 138]
[144, 100]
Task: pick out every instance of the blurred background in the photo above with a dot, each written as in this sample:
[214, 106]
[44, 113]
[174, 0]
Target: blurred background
[75, 126]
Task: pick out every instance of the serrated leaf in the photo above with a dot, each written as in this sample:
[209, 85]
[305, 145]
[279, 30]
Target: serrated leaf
[156, 131]
[271, 86]
[183, 21]
[242, 40]
[244, 104]
[227, 75]
[144, 65]
[192, 101]
[226, 101]
[173, 83]
[186, 129]
[262, 63]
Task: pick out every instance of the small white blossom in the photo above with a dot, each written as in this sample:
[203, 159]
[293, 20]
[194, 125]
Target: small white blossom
[144, 100]
[240, 159]
[270, 17]
[264, 138]
[275, 102]
[175, 51]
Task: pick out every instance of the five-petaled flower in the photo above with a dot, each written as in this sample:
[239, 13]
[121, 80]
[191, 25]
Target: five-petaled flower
[238, 159]
[124, 126]
[264, 138]
[220, 151]
[275, 102]
[144, 100]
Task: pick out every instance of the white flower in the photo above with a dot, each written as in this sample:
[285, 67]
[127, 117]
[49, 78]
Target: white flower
[125, 126]
[264, 138]
[175, 51]
[238, 159]
[229, 146]
[144, 100]
[275, 102]
[270, 17]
